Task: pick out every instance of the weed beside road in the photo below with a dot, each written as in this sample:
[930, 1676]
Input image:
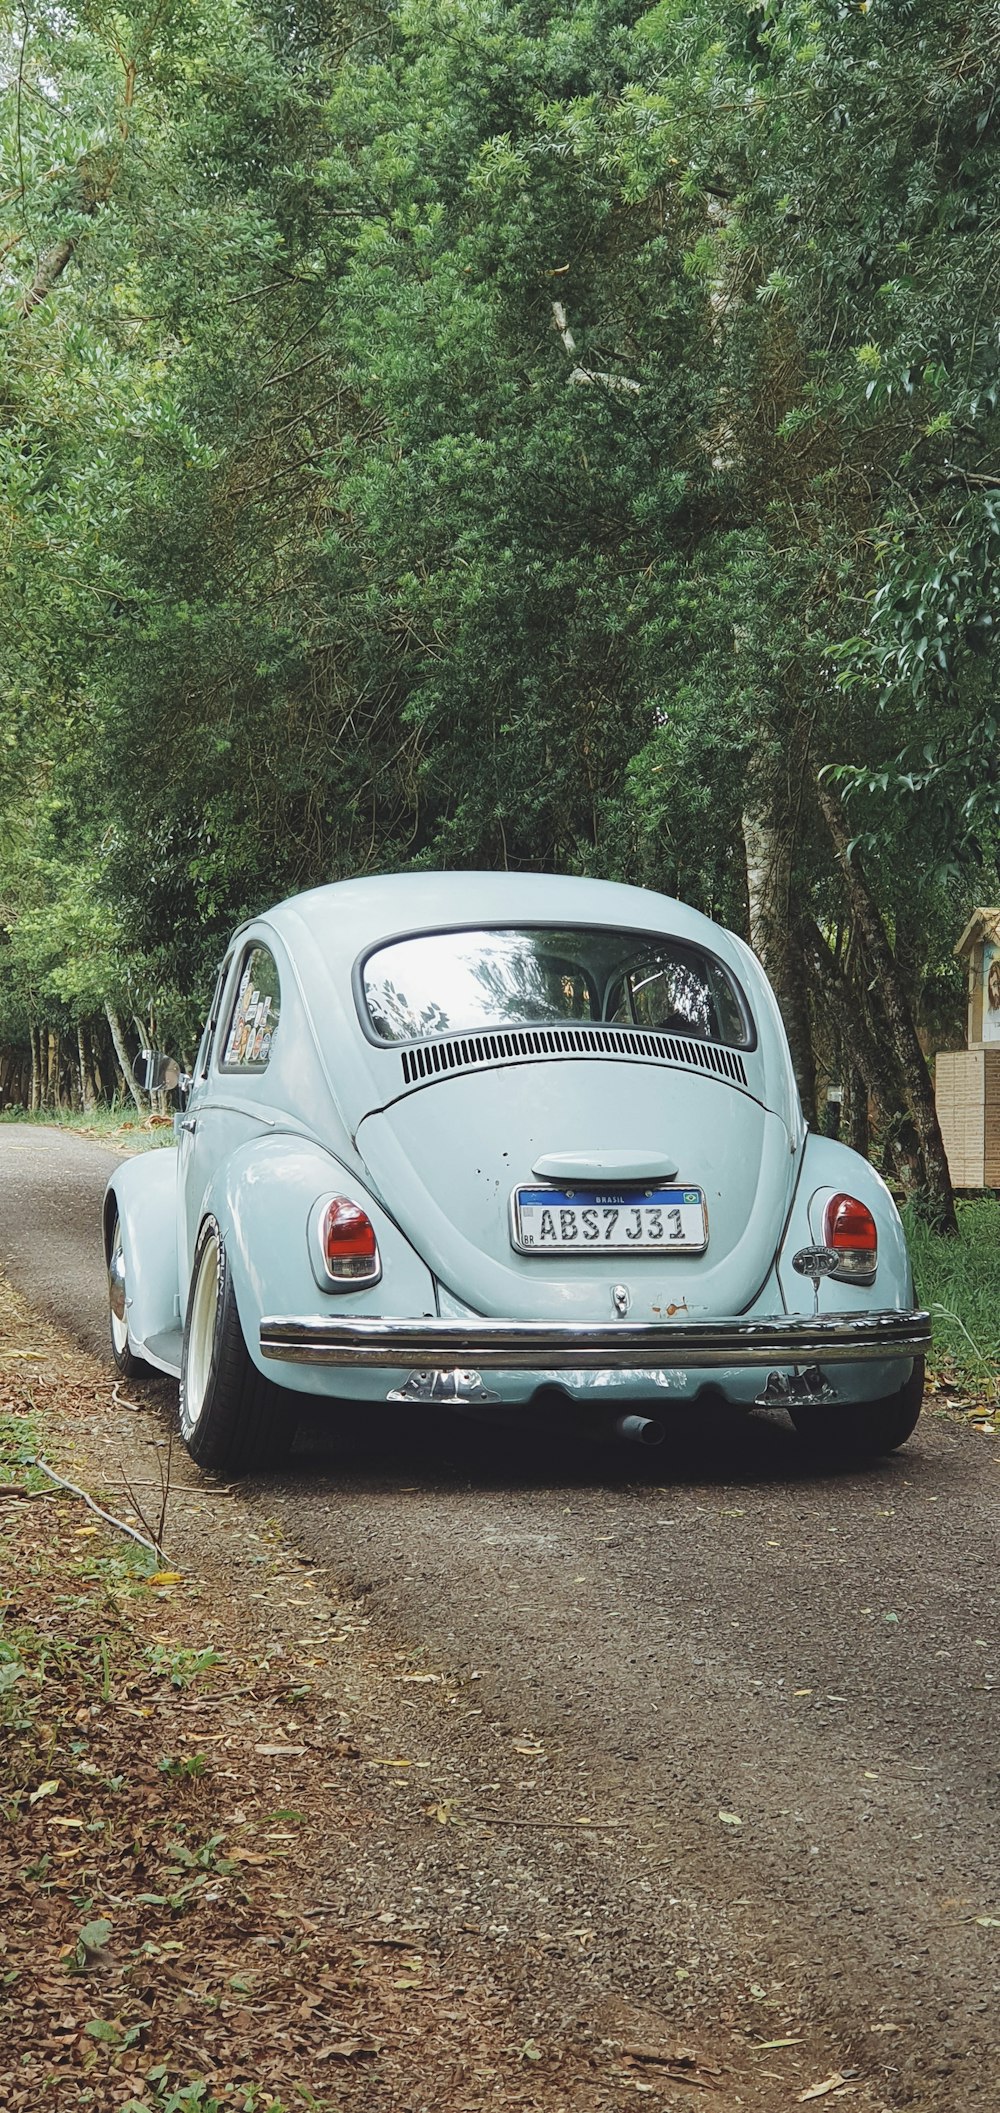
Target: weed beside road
[959, 1280]
[121, 1126]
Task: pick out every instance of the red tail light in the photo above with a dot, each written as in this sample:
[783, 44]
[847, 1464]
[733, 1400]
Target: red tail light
[849, 1228]
[347, 1235]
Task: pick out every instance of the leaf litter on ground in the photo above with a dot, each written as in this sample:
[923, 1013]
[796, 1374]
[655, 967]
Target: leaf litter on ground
[161, 1945]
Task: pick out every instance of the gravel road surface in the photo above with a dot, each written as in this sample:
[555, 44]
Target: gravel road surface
[730, 1722]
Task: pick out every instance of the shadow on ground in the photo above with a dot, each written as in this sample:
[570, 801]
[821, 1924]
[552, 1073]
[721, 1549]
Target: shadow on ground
[447, 1452]
[406, 1449]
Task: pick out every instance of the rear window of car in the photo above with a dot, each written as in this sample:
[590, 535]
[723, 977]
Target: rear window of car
[442, 983]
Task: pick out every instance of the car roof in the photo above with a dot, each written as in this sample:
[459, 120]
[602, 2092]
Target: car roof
[346, 918]
[326, 931]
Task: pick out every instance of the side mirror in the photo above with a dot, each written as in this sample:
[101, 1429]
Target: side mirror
[158, 1073]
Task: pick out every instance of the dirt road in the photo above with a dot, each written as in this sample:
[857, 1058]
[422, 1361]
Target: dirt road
[726, 1727]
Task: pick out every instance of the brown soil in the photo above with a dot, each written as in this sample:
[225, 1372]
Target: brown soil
[192, 1766]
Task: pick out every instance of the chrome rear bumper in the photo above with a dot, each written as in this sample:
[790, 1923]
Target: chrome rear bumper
[555, 1346]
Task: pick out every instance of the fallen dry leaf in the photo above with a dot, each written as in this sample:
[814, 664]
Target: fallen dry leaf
[830, 2083]
[45, 1790]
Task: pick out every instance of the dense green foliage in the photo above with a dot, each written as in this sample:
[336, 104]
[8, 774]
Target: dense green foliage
[469, 433]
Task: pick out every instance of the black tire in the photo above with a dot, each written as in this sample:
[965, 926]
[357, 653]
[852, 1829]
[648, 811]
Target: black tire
[124, 1358]
[862, 1430]
[232, 1419]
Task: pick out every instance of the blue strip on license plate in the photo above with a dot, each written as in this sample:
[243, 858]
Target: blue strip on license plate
[610, 1221]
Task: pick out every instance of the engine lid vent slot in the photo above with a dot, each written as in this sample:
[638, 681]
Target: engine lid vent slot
[517, 1045]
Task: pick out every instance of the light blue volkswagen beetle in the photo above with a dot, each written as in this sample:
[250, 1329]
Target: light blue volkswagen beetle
[521, 1144]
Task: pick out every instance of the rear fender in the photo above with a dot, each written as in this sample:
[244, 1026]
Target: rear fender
[263, 1199]
[143, 1194]
[828, 1166]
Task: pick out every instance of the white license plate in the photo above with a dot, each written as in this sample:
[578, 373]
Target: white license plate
[609, 1221]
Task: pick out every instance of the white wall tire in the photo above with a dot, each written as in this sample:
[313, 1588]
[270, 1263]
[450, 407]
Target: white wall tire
[122, 1353]
[232, 1419]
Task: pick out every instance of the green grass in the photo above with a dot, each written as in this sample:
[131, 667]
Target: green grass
[959, 1280]
[18, 1447]
[118, 1125]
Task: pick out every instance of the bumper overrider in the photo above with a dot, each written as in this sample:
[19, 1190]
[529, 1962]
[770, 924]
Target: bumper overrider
[554, 1346]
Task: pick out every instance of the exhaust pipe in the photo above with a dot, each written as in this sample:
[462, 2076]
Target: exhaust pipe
[639, 1430]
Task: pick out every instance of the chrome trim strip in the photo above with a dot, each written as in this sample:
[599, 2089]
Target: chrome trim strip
[546, 1346]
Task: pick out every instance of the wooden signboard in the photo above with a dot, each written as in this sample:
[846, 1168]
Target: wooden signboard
[967, 1081]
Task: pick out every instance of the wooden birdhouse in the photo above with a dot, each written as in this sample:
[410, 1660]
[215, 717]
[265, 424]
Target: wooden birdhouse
[967, 1081]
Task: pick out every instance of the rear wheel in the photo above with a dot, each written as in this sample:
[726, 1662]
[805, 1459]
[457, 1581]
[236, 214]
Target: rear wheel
[125, 1359]
[232, 1419]
[861, 1430]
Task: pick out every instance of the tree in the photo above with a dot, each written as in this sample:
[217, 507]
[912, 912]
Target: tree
[484, 434]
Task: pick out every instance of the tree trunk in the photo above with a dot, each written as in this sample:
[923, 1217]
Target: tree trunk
[855, 1126]
[36, 1068]
[51, 266]
[99, 1061]
[775, 940]
[869, 1056]
[11, 1078]
[88, 1088]
[937, 1199]
[53, 1065]
[122, 1054]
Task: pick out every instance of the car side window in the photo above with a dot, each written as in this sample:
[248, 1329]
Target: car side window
[253, 1022]
[208, 1033]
